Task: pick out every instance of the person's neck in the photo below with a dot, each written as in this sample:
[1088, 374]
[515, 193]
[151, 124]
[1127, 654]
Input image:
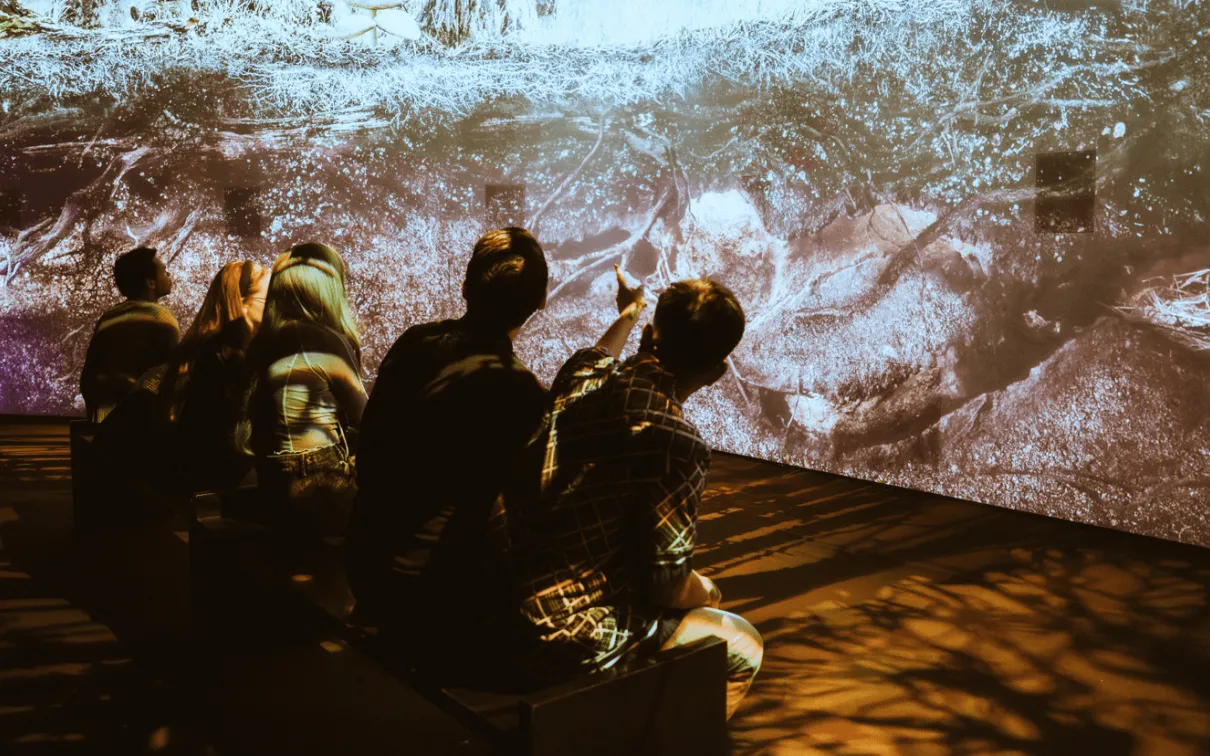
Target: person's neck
[143, 297]
[683, 387]
[486, 327]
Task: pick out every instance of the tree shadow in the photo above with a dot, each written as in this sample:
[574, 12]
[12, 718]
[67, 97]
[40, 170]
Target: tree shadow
[1065, 652]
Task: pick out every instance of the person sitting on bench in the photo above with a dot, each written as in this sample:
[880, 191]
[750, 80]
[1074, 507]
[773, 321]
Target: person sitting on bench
[450, 412]
[604, 552]
[203, 389]
[305, 394]
[175, 432]
[132, 337]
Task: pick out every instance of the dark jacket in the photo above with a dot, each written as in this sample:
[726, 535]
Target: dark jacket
[451, 413]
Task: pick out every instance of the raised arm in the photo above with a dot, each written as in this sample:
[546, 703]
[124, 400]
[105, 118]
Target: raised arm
[630, 305]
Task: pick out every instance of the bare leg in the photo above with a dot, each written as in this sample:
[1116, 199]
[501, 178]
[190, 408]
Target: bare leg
[745, 649]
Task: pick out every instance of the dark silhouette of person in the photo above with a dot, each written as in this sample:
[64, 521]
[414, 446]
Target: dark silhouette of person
[132, 337]
[203, 392]
[174, 432]
[450, 414]
[604, 552]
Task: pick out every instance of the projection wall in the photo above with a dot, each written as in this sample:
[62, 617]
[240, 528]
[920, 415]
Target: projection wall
[970, 235]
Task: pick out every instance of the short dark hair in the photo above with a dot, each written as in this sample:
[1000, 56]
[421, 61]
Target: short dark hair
[699, 323]
[132, 269]
[506, 277]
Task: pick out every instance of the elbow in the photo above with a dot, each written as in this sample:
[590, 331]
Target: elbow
[668, 586]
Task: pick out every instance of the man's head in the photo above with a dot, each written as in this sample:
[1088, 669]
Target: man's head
[696, 326]
[139, 274]
[506, 279]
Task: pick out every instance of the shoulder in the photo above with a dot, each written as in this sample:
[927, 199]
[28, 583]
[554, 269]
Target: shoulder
[494, 373]
[331, 365]
[153, 312]
[417, 342]
[649, 388]
[585, 367]
[163, 315]
[115, 314]
[318, 361]
[655, 413]
[595, 357]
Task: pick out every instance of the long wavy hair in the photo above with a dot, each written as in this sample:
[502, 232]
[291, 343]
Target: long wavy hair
[308, 286]
[235, 293]
[231, 296]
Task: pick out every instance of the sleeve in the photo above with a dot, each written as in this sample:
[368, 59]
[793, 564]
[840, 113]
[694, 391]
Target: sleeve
[585, 367]
[385, 405]
[508, 407]
[345, 385]
[667, 522]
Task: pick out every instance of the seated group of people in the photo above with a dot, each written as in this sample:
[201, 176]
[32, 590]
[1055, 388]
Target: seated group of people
[495, 531]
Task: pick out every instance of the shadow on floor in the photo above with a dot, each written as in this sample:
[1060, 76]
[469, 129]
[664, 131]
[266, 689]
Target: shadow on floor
[897, 622]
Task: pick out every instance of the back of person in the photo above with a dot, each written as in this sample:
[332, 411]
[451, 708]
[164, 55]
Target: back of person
[209, 410]
[137, 452]
[604, 551]
[306, 375]
[451, 411]
[174, 433]
[307, 394]
[208, 375]
[130, 338]
[622, 476]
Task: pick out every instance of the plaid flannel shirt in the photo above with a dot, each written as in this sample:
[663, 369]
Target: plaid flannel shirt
[621, 483]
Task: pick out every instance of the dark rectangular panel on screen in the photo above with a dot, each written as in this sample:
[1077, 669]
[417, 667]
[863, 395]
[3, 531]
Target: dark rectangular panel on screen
[1066, 200]
[504, 205]
[10, 210]
[241, 208]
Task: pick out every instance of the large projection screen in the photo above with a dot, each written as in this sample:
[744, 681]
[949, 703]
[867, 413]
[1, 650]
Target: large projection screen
[970, 235]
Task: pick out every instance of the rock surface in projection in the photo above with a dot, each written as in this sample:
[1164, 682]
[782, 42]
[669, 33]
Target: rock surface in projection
[1110, 430]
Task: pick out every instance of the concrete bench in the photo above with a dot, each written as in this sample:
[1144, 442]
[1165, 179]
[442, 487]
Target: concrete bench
[673, 703]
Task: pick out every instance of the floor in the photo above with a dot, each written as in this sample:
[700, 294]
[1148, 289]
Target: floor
[895, 623]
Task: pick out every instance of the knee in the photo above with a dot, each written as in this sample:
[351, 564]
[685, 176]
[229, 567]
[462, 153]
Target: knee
[744, 643]
[745, 647]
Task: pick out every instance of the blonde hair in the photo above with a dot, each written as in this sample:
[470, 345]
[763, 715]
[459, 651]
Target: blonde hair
[308, 285]
[232, 288]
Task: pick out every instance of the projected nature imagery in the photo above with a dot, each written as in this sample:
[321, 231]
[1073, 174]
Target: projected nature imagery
[970, 235]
